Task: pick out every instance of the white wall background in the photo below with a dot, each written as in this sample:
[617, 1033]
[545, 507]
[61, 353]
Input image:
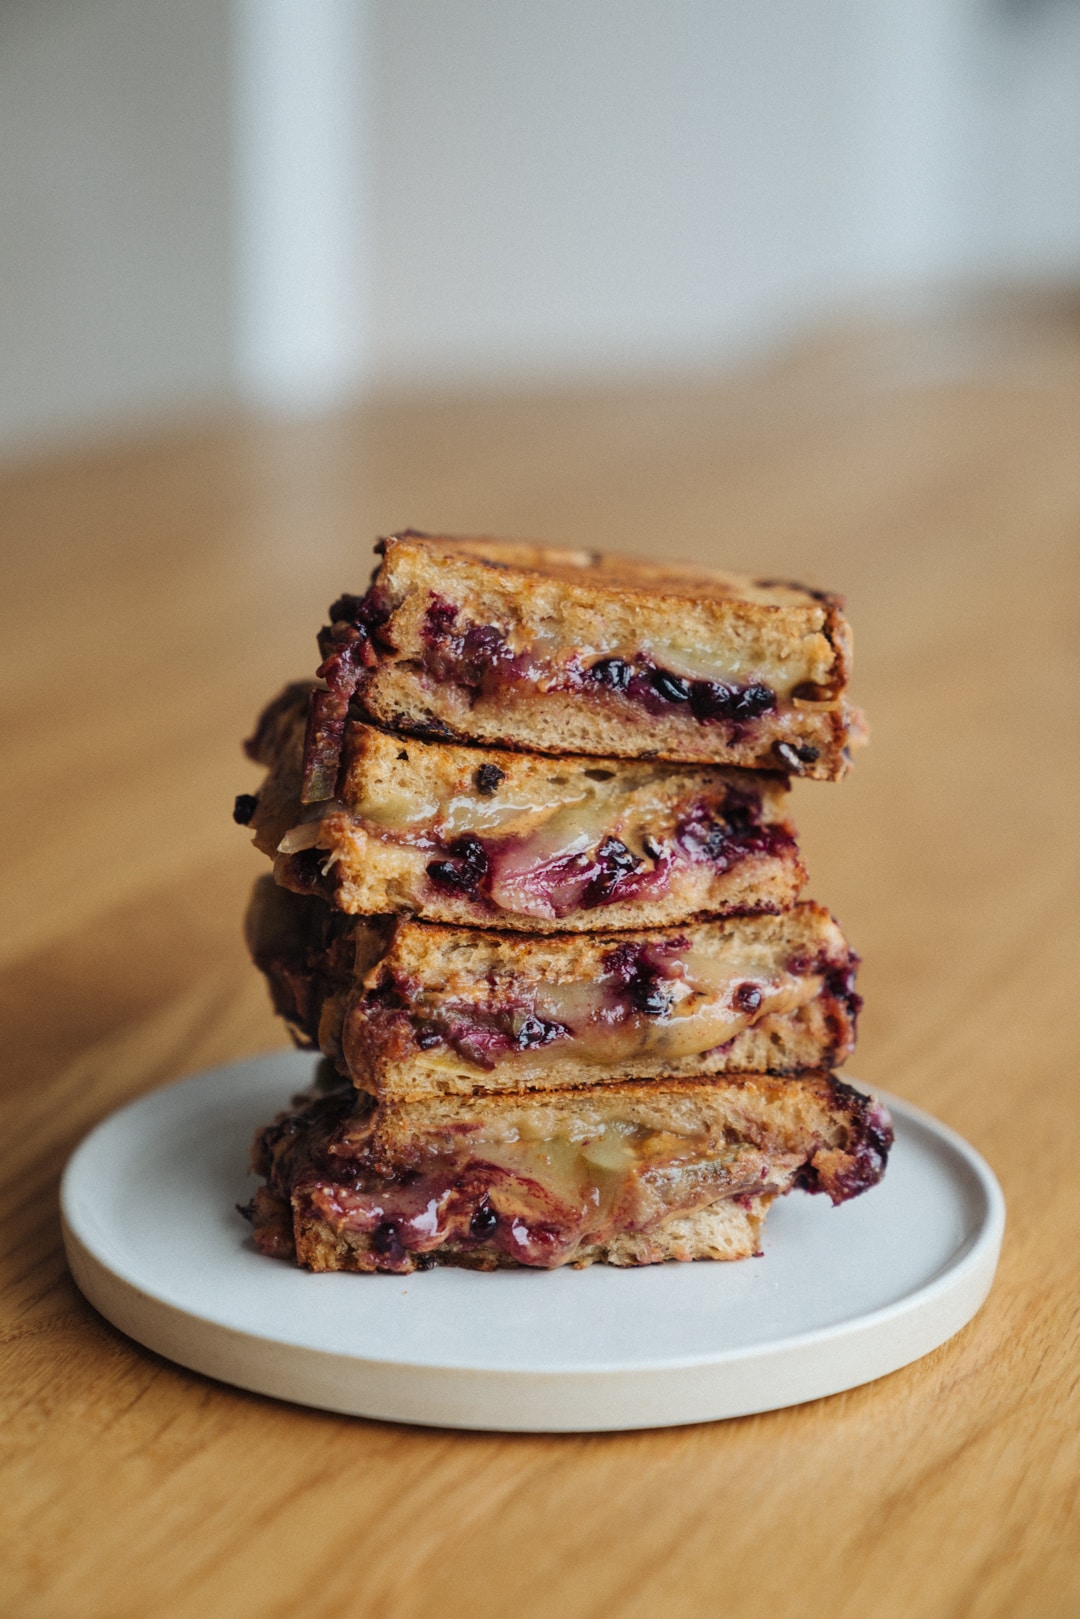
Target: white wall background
[289, 201]
[116, 211]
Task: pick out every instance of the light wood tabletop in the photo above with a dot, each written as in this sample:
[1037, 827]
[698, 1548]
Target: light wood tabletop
[158, 591]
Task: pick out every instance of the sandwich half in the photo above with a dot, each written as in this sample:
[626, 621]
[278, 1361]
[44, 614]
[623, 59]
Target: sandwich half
[485, 838]
[557, 651]
[410, 1009]
[626, 1174]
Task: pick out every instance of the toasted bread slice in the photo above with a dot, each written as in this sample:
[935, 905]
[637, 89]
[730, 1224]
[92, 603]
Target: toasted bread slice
[525, 646]
[516, 840]
[412, 1009]
[627, 1174]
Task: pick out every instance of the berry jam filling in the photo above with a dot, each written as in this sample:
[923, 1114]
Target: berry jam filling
[838, 979]
[481, 1033]
[475, 656]
[658, 691]
[868, 1154]
[526, 876]
[534, 1202]
[731, 834]
[516, 874]
[478, 658]
[644, 975]
[467, 866]
[349, 644]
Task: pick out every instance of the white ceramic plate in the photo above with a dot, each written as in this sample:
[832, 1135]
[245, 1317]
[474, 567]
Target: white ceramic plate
[841, 1295]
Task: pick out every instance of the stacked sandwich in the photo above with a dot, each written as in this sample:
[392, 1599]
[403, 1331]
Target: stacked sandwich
[535, 898]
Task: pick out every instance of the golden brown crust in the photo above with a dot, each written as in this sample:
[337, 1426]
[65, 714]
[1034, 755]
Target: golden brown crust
[600, 570]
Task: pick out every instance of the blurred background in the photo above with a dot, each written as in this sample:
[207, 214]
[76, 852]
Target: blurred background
[290, 204]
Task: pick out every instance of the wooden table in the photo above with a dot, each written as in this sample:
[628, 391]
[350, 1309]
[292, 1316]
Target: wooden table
[155, 593]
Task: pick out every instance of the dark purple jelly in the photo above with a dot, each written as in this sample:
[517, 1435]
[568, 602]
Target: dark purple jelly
[475, 656]
[649, 996]
[718, 700]
[867, 1152]
[747, 997]
[730, 832]
[640, 974]
[466, 868]
[614, 673]
[386, 1241]
[482, 1035]
[840, 981]
[483, 1222]
[672, 688]
[658, 689]
[349, 644]
[614, 863]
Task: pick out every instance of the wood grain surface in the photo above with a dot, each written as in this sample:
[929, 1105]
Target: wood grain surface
[157, 591]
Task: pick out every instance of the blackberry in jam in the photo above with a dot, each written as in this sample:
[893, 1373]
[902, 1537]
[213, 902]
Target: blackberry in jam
[615, 862]
[483, 1222]
[614, 673]
[640, 972]
[386, 1240]
[711, 700]
[650, 997]
[751, 701]
[717, 700]
[747, 997]
[537, 1031]
[672, 688]
[466, 868]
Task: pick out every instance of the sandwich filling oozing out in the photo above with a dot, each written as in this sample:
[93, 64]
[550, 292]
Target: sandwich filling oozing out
[537, 1185]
